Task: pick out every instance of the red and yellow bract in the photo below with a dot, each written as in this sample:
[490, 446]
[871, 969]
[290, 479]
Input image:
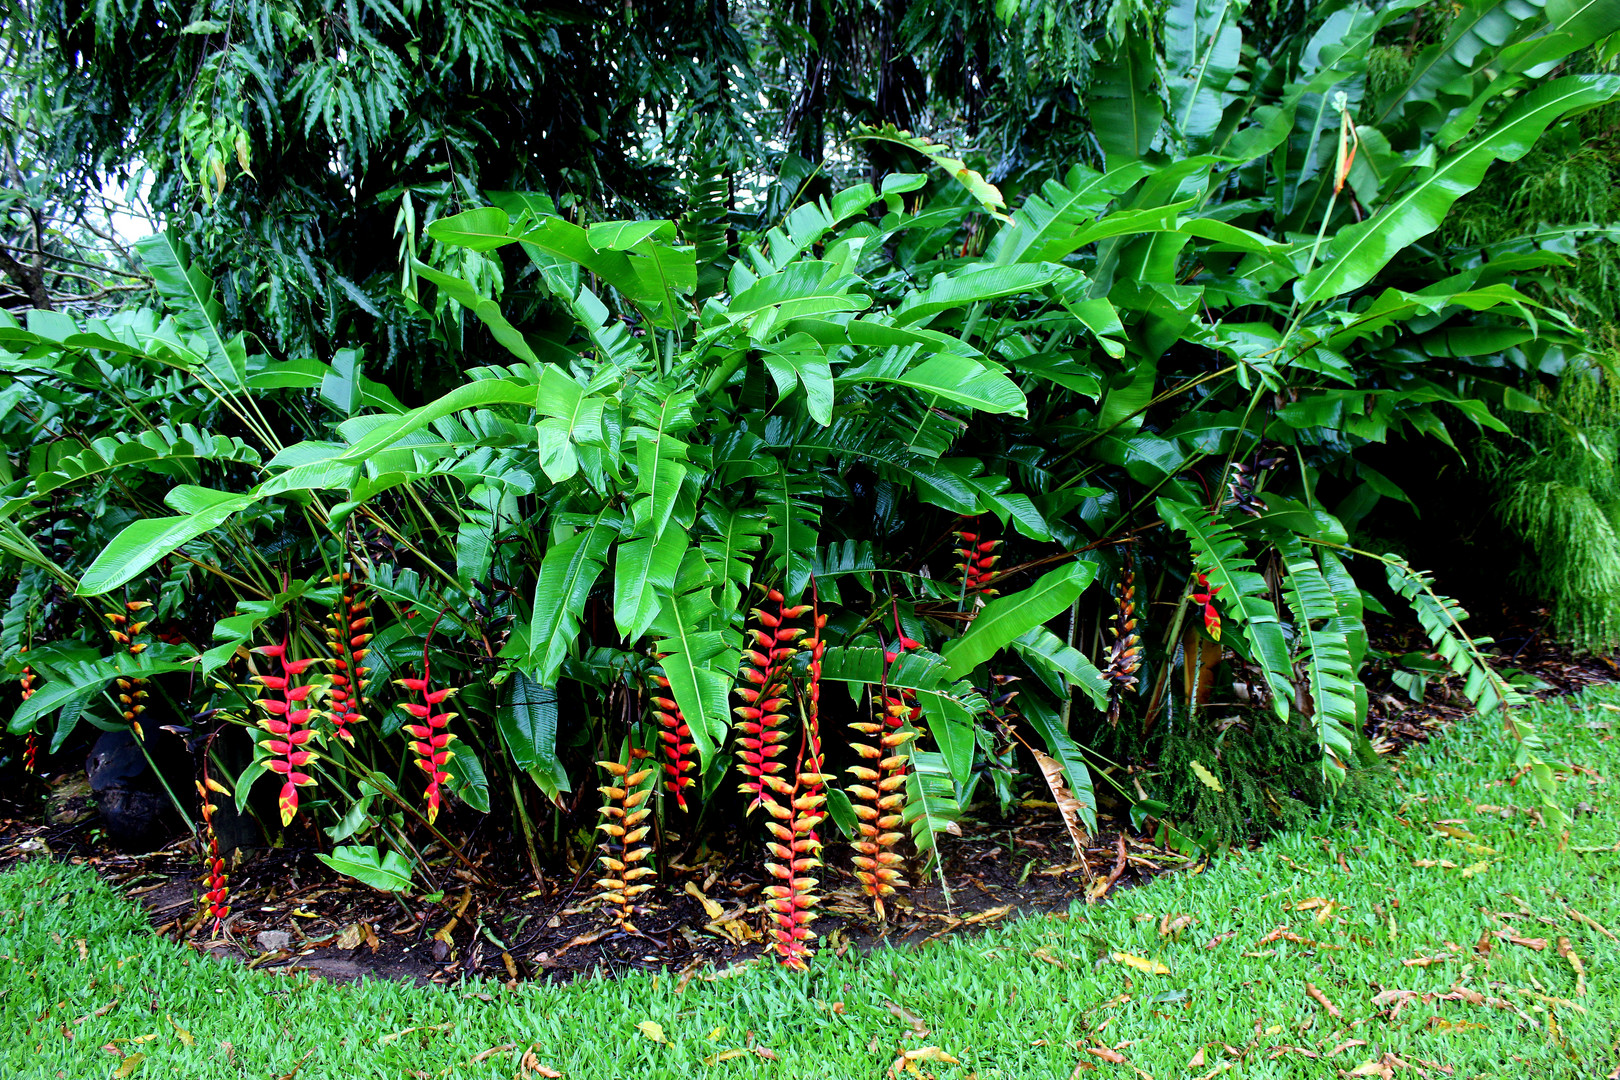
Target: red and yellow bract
[347, 637]
[430, 741]
[676, 739]
[879, 797]
[288, 751]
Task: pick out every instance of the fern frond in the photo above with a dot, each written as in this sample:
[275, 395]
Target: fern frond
[1323, 651]
[1491, 693]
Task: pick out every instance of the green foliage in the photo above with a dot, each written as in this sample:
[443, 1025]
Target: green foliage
[636, 426]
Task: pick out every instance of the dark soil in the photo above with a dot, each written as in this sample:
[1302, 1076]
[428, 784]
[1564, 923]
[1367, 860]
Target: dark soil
[291, 913]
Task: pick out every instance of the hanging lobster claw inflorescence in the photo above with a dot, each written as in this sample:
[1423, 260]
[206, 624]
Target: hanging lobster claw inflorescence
[978, 560]
[796, 847]
[288, 751]
[1125, 658]
[31, 742]
[879, 797]
[624, 848]
[428, 731]
[760, 717]
[132, 692]
[676, 738]
[218, 888]
[347, 637]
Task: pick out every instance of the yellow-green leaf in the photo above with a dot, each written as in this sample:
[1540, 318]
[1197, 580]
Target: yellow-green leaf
[1207, 778]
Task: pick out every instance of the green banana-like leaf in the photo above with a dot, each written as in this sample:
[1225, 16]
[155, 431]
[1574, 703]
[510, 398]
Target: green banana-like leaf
[946, 375]
[985, 193]
[931, 808]
[701, 666]
[1061, 666]
[1202, 49]
[1124, 106]
[1007, 618]
[642, 569]
[190, 294]
[567, 573]
[1358, 252]
[140, 544]
[158, 450]
[1042, 228]
[527, 721]
[973, 285]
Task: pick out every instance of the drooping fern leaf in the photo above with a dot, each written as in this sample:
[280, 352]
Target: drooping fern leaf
[1491, 693]
[1324, 653]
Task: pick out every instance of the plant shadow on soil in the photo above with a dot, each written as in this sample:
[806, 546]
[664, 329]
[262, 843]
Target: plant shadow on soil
[291, 914]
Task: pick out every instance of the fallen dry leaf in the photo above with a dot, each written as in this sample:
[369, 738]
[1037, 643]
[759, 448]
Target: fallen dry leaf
[710, 908]
[1172, 927]
[1197, 1061]
[1536, 943]
[350, 937]
[1589, 921]
[909, 1018]
[485, 1055]
[1140, 963]
[1205, 777]
[531, 1064]
[1567, 951]
[130, 1064]
[1109, 1055]
[182, 1034]
[1322, 1000]
[1346, 1046]
[1440, 1023]
[652, 1031]
[1425, 961]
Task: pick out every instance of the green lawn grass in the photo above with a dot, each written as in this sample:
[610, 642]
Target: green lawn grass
[1036, 997]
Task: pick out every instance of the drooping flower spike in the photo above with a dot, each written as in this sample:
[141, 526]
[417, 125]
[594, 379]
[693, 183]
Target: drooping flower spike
[215, 898]
[879, 796]
[289, 749]
[1125, 658]
[676, 740]
[624, 846]
[31, 742]
[764, 693]
[978, 561]
[796, 846]
[127, 629]
[347, 637]
[430, 737]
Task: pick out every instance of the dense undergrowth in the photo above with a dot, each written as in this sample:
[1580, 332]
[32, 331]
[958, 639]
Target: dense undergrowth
[1444, 931]
[844, 518]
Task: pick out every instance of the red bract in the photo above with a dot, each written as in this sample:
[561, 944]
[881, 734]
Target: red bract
[765, 701]
[978, 561]
[625, 849]
[218, 888]
[676, 739]
[797, 846]
[347, 637]
[287, 751]
[31, 743]
[1212, 618]
[879, 799]
[430, 741]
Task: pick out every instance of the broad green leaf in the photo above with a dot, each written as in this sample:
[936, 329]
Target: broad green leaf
[385, 872]
[527, 721]
[140, 544]
[567, 573]
[1358, 252]
[642, 569]
[1007, 618]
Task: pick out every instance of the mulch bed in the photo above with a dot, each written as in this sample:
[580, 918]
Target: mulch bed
[291, 914]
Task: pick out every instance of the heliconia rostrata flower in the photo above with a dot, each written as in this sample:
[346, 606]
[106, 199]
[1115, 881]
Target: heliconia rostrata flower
[978, 562]
[1125, 658]
[879, 796]
[218, 890]
[676, 739]
[764, 695]
[796, 847]
[132, 692]
[288, 751]
[347, 637]
[624, 848]
[430, 741]
[31, 743]
[1206, 597]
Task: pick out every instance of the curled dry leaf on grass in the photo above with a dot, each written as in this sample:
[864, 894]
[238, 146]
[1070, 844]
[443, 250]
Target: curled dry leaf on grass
[907, 1061]
[1140, 963]
[532, 1064]
[652, 1030]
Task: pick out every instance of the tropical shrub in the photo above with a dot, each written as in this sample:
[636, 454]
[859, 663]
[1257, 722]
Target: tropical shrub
[911, 440]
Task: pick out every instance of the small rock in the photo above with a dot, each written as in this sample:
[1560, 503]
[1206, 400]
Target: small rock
[274, 940]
